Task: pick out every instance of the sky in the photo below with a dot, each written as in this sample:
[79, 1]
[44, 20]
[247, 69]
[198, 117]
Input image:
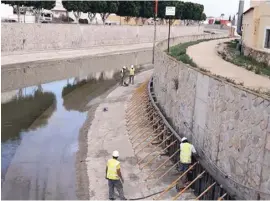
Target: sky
[216, 7]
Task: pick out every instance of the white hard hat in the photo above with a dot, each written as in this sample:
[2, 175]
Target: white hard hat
[132, 66]
[183, 139]
[124, 67]
[115, 154]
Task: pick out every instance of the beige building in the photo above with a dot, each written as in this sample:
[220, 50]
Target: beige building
[115, 19]
[256, 26]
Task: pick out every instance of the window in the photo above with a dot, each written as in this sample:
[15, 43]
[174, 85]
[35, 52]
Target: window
[267, 39]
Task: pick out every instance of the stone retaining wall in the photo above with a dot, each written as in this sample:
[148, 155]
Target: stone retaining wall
[229, 126]
[259, 56]
[40, 37]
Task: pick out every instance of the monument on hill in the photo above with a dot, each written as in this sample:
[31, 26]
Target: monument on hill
[59, 10]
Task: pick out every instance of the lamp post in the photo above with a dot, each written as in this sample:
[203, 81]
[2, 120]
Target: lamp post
[155, 30]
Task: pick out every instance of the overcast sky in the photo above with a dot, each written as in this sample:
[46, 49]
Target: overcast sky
[216, 7]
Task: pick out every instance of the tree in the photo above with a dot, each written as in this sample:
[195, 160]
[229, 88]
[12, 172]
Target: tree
[16, 5]
[105, 8]
[146, 10]
[222, 15]
[197, 12]
[179, 10]
[128, 8]
[203, 17]
[38, 5]
[91, 8]
[74, 6]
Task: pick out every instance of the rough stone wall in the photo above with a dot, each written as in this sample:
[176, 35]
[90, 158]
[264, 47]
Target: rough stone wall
[230, 126]
[37, 37]
[260, 56]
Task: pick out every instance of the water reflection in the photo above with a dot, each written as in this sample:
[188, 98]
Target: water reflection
[81, 88]
[41, 124]
[19, 113]
[19, 110]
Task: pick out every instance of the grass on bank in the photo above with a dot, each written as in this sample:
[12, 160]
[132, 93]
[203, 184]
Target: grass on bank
[180, 52]
[246, 62]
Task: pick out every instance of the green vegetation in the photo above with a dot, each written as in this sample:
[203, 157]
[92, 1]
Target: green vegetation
[127, 9]
[233, 55]
[179, 52]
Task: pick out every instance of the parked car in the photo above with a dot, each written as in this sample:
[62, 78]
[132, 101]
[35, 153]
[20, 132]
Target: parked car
[45, 16]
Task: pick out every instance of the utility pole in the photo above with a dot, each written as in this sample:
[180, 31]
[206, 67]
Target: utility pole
[155, 30]
[169, 34]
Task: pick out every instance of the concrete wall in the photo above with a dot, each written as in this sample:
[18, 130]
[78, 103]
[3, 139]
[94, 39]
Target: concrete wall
[37, 37]
[230, 126]
[33, 73]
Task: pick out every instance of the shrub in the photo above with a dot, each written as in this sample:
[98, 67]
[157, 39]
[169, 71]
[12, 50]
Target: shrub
[258, 70]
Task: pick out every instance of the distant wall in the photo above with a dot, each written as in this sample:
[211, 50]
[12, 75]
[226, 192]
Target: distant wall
[230, 126]
[37, 37]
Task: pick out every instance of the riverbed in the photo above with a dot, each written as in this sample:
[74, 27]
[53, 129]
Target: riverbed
[41, 126]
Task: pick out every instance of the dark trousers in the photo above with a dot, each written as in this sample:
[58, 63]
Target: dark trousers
[131, 79]
[122, 81]
[119, 187]
[181, 183]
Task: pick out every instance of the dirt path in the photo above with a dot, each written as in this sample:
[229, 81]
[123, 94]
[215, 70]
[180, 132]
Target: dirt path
[205, 55]
[108, 133]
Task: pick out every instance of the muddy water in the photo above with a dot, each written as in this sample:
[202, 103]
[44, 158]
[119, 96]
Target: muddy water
[40, 130]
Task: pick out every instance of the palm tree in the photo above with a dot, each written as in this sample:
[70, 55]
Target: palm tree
[222, 15]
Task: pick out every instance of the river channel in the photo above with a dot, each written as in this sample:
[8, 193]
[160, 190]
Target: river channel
[40, 130]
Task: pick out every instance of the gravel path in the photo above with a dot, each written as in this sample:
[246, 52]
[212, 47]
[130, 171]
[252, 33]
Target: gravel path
[205, 55]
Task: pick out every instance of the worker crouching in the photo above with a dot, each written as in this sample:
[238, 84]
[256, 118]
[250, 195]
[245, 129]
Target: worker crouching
[186, 151]
[114, 177]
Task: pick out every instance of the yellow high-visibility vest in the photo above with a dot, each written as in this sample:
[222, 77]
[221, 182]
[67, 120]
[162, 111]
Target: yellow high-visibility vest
[132, 71]
[185, 153]
[113, 165]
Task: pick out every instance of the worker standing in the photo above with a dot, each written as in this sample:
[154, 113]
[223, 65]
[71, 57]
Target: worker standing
[186, 151]
[113, 174]
[131, 74]
[123, 75]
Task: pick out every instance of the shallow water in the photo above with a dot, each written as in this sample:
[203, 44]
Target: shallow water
[40, 129]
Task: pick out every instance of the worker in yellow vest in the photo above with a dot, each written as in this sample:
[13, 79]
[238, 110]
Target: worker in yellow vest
[113, 174]
[131, 74]
[186, 151]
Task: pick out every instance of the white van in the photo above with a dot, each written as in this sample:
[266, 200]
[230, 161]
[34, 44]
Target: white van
[45, 16]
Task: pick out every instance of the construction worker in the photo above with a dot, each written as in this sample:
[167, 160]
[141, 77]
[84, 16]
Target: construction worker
[113, 174]
[186, 151]
[131, 74]
[123, 75]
